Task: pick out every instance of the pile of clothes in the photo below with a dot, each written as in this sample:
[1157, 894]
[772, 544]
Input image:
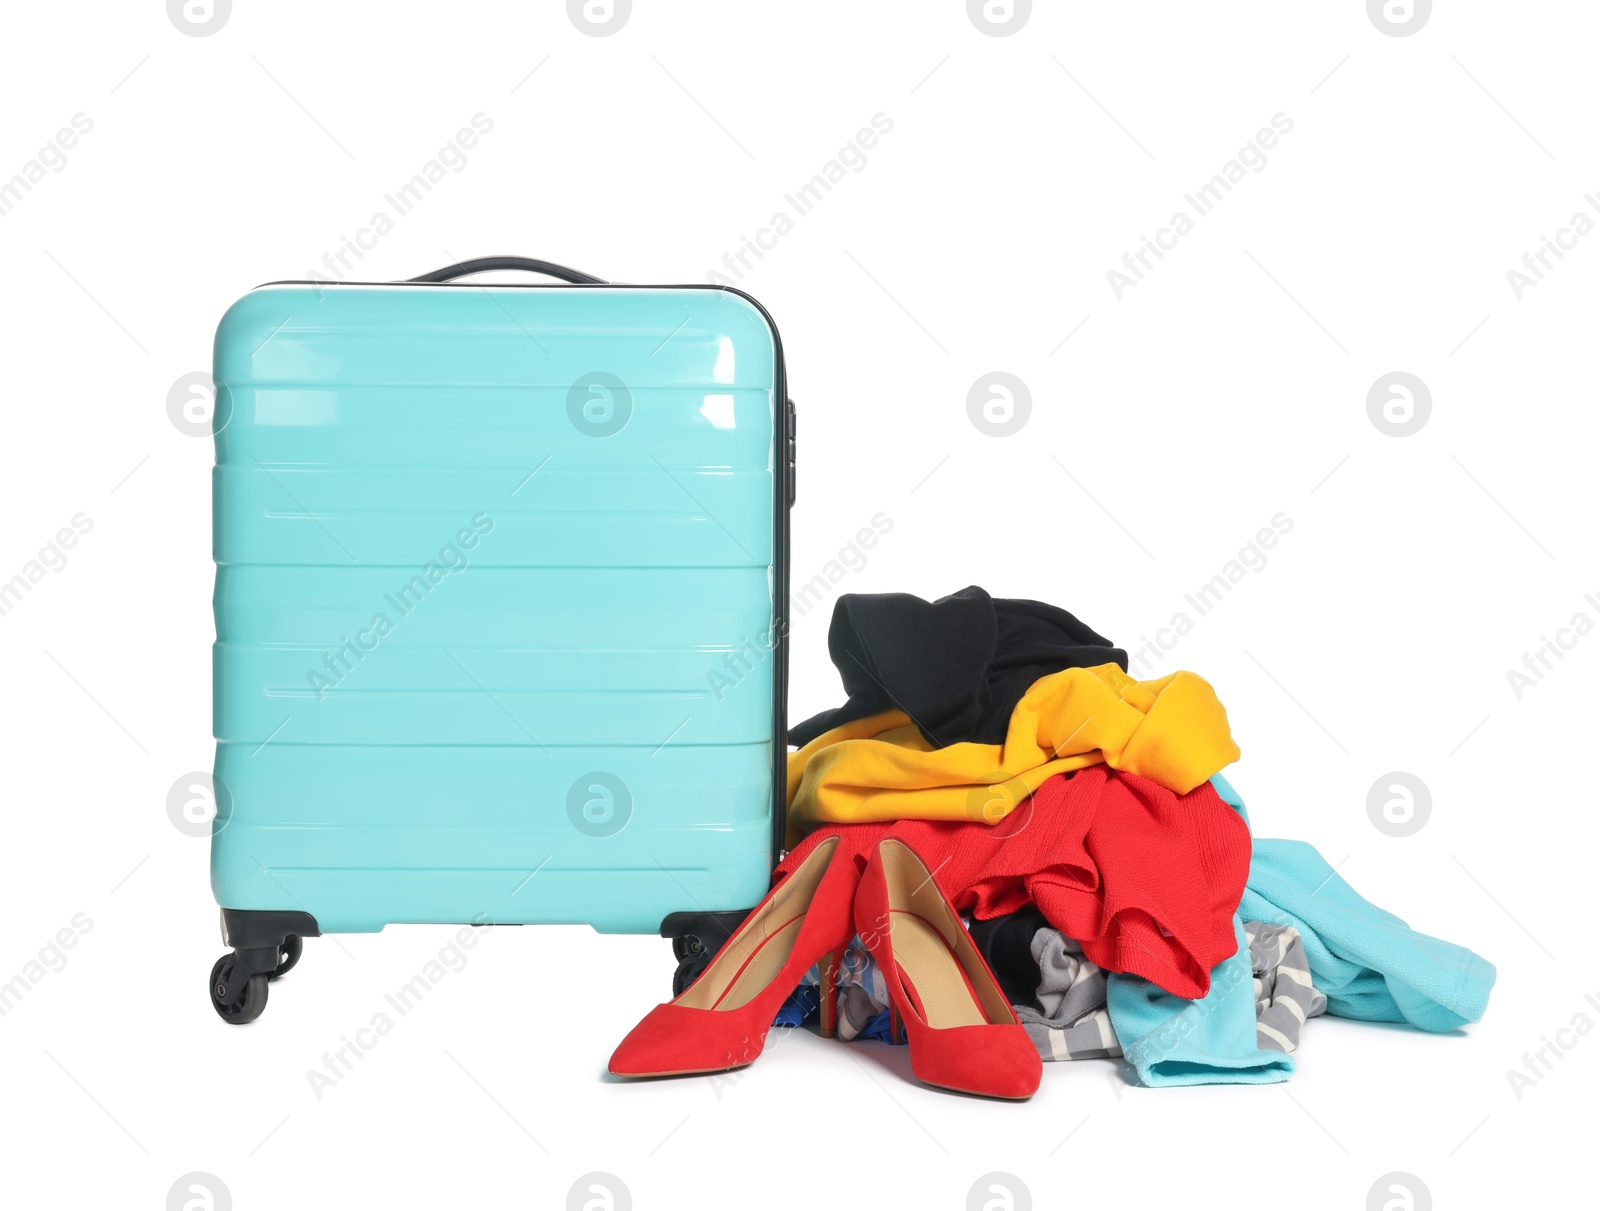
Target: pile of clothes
[1078, 819]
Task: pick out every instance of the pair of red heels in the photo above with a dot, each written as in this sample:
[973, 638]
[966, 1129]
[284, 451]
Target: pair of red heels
[959, 1026]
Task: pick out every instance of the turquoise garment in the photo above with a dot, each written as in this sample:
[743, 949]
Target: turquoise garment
[1369, 963]
[1211, 1041]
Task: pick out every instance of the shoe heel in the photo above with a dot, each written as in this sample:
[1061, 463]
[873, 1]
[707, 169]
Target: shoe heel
[934, 973]
[828, 990]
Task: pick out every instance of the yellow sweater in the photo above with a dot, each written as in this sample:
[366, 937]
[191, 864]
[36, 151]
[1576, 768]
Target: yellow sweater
[1173, 731]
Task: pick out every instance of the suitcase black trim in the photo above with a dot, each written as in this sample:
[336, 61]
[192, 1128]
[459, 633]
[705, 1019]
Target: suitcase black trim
[783, 497]
[259, 928]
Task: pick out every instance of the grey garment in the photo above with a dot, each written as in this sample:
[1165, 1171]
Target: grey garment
[862, 992]
[856, 1010]
[1069, 1020]
[1285, 997]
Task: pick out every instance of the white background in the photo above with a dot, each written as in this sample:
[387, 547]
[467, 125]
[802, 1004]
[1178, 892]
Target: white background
[1228, 386]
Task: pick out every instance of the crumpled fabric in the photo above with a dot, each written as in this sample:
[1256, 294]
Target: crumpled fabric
[1172, 730]
[1145, 880]
[989, 651]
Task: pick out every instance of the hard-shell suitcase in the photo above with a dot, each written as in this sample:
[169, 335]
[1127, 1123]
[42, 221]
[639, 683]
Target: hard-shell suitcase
[501, 611]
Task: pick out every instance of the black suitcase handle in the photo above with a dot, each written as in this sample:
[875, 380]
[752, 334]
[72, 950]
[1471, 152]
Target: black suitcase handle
[484, 263]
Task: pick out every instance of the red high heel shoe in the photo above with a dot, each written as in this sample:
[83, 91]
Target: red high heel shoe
[959, 1025]
[721, 1020]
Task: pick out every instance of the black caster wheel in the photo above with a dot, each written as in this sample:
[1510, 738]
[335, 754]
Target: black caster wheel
[686, 945]
[288, 954]
[244, 1006]
[689, 969]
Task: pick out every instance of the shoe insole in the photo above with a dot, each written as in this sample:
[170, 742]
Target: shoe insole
[934, 972]
[753, 957]
[762, 967]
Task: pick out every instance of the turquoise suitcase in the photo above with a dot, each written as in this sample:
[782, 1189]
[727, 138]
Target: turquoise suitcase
[501, 611]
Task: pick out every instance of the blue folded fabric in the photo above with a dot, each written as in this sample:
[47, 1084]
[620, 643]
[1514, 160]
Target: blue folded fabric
[802, 1003]
[1212, 1041]
[877, 1028]
[1369, 963]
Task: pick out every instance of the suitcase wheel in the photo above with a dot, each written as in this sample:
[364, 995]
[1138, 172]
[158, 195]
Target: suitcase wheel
[689, 968]
[267, 943]
[237, 994]
[696, 938]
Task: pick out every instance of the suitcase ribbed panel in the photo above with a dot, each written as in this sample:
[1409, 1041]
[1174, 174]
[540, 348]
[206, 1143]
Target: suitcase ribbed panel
[467, 625]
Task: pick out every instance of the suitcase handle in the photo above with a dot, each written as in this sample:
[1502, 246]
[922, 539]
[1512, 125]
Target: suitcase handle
[481, 264]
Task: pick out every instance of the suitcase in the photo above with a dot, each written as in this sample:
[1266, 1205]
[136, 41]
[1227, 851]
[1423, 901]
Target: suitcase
[501, 611]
